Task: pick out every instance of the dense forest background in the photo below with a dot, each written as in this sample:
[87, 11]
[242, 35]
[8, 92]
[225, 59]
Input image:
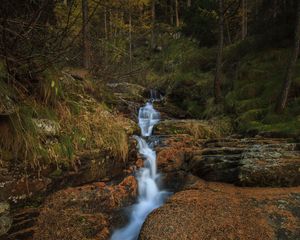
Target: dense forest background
[234, 60]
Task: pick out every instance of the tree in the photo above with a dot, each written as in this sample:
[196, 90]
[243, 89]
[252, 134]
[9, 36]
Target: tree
[177, 13]
[130, 39]
[153, 23]
[85, 35]
[283, 96]
[189, 3]
[244, 19]
[218, 73]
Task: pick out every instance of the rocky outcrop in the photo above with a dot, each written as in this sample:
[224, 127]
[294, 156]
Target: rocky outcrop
[173, 153]
[47, 127]
[271, 164]
[248, 161]
[129, 97]
[23, 224]
[16, 186]
[221, 211]
[87, 212]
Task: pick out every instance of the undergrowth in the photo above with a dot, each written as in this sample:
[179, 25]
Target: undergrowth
[252, 77]
[73, 111]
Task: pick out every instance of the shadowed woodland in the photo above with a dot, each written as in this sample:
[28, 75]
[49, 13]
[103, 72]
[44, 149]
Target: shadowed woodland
[225, 77]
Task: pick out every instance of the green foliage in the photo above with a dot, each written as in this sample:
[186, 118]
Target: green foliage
[200, 22]
[252, 77]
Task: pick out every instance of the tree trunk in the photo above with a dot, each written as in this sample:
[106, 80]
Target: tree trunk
[244, 19]
[85, 35]
[130, 40]
[171, 13]
[177, 13]
[110, 24]
[256, 10]
[189, 3]
[218, 73]
[153, 24]
[228, 31]
[116, 18]
[283, 96]
[105, 23]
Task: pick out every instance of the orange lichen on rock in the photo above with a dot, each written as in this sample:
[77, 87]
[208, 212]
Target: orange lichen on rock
[207, 210]
[86, 212]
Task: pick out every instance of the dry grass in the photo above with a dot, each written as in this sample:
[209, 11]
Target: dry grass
[91, 125]
[208, 129]
[85, 124]
[101, 129]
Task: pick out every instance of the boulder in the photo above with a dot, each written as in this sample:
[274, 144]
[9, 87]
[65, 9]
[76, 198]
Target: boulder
[248, 161]
[47, 127]
[20, 188]
[205, 210]
[270, 165]
[129, 97]
[87, 212]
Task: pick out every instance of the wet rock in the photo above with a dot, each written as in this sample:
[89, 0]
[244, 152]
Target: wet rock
[173, 153]
[221, 211]
[5, 218]
[87, 212]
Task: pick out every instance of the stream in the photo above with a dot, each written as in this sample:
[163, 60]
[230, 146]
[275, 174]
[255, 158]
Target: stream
[150, 195]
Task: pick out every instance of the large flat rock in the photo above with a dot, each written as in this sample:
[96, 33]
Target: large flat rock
[87, 212]
[206, 211]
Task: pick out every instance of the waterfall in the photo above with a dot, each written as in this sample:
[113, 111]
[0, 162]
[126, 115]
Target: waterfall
[150, 196]
[148, 117]
[155, 96]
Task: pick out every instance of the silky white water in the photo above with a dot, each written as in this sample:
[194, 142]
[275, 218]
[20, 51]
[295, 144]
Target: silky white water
[150, 197]
[148, 117]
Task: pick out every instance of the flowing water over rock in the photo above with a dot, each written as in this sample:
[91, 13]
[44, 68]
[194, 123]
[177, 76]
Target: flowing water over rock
[148, 117]
[150, 196]
[155, 95]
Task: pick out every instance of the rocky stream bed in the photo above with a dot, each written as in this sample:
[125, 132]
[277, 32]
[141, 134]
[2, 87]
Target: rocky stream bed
[232, 187]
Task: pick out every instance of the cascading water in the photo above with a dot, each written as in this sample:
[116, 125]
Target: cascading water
[148, 117]
[150, 197]
[155, 95]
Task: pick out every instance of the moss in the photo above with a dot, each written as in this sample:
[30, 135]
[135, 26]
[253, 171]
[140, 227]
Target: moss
[56, 173]
[286, 128]
[290, 127]
[245, 127]
[252, 115]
